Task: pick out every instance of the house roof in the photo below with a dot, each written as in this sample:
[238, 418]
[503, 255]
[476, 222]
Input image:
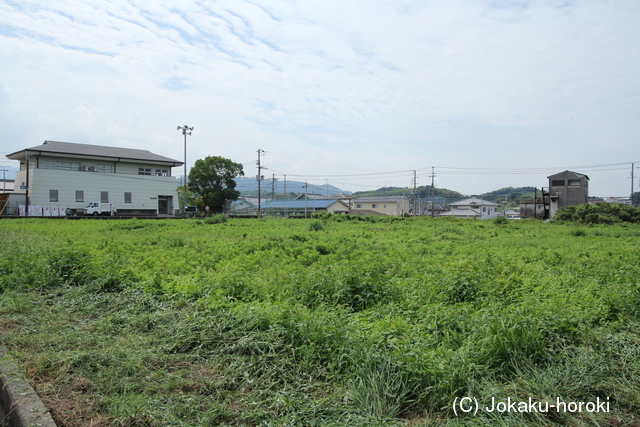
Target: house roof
[342, 196]
[374, 199]
[568, 173]
[75, 149]
[311, 196]
[474, 201]
[434, 207]
[301, 204]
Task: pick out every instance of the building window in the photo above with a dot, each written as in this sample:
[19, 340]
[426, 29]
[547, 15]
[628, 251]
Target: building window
[384, 206]
[104, 197]
[162, 172]
[557, 183]
[79, 196]
[144, 171]
[358, 206]
[574, 182]
[374, 205]
[53, 195]
[127, 197]
[68, 166]
[104, 168]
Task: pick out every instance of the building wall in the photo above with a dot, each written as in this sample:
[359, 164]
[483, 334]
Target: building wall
[571, 188]
[486, 212]
[145, 190]
[388, 208]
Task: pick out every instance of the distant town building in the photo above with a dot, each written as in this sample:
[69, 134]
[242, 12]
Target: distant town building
[384, 205]
[473, 207]
[567, 189]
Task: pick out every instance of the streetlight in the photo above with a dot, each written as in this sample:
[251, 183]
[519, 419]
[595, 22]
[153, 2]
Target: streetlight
[186, 130]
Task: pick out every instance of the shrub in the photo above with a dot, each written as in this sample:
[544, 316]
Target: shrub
[315, 225]
[501, 220]
[216, 219]
[599, 213]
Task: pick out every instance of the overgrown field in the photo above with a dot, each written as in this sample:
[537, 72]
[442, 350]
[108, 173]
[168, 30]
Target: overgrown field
[323, 322]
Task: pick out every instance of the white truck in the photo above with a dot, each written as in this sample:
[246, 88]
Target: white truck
[97, 208]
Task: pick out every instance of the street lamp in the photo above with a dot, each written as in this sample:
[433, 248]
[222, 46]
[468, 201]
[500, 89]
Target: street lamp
[186, 130]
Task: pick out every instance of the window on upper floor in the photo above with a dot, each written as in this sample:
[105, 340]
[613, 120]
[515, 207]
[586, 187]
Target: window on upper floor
[104, 168]
[144, 171]
[67, 166]
[127, 197]
[557, 183]
[374, 205]
[162, 172]
[104, 197]
[574, 182]
[79, 196]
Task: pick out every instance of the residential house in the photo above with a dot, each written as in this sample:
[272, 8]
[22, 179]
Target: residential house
[534, 208]
[303, 207]
[58, 176]
[567, 189]
[385, 205]
[473, 207]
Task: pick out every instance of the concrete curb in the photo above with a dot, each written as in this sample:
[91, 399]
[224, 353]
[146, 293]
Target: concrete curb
[20, 406]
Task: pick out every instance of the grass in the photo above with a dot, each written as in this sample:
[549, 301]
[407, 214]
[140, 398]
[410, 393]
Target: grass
[291, 323]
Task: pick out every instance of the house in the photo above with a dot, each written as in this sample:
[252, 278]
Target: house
[345, 198]
[386, 205]
[622, 200]
[56, 176]
[473, 207]
[432, 209]
[567, 189]
[303, 207]
[512, 214]
[240, 206]
[534, 208]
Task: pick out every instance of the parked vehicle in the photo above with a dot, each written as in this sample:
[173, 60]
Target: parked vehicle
[97, 208]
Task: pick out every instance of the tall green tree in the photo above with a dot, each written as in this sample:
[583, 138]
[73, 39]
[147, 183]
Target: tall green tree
[211, 182]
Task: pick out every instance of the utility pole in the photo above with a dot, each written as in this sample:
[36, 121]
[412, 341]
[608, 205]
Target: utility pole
[415, 194]
[26, 191]
[632, 165]
[186, 130]
[286, 199]
[273, 186]
[259, 178]
[306, 193]
[433, 175]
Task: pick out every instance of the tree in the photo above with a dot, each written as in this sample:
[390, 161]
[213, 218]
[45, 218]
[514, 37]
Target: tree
[211, 180]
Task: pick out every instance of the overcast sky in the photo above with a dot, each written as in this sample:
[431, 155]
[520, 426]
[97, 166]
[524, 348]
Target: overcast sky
[360, 93]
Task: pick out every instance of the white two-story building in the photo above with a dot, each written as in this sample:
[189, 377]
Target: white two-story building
[63, 175]
[473, 207]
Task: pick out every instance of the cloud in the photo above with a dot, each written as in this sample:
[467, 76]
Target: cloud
[381, 86]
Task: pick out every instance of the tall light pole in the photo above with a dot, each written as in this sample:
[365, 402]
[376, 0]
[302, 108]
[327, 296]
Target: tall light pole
[186, 130]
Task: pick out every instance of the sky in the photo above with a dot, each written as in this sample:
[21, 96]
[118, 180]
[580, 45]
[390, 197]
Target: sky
[483, 94]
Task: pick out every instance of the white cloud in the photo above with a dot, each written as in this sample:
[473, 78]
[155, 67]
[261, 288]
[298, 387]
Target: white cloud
[381, 86]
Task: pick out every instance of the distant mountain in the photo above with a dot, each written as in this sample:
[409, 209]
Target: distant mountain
[249, 187]
[440, 194]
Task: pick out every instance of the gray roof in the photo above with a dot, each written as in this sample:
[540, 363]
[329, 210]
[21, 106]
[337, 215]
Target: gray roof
[96, 151]
[474, 201]
[301, 204]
